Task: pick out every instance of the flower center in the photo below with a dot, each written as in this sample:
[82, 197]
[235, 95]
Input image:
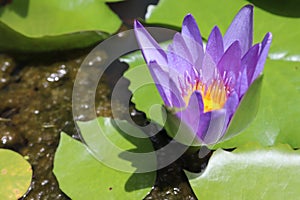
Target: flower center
[214, 96]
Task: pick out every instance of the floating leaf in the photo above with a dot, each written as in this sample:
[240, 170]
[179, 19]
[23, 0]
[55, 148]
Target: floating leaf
[12, 41]
[145, 94]
[36, 18]
[250, 172]
[246, 111]
[82, 176]
[278, 110]
[209, 13]
[15, 175]
[141, 86]
[119, 144]
[35, 24]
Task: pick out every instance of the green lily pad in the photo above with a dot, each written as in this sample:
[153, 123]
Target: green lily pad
[250, 172]
[36, 18]
[145, 94]
[15, 175]
[247, 110]
[209, 13]
[35, 24]
[119, 144]
[141, 85]
[279, 111]
[12, 41]
[87, 173]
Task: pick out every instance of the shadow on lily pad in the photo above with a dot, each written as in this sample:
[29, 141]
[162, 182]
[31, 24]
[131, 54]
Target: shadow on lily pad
[287, 8]
[20, 7]
[143, 177]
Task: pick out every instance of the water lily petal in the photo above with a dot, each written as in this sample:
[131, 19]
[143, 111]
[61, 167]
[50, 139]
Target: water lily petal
[265, 46]
[249, 62]
[191, 116]
[241, 29]
[242, 85]
[161, 79]
[181, 67]
[179, 57]
[229, 65]
[167, 88]
[208, 69]
[231, 106]
[191, 30]
[214, 46]
[192, 37]
[180, 48]
[215, 124]
[150, 48]
[176, 97]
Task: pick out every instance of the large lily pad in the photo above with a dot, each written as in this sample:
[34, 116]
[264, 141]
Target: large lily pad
[81, 175]
[209, 13]
[250, 172]
[279, 111]
[12, 41]
[36, 18]
[15, 175]
[34, 25]
[145, 94]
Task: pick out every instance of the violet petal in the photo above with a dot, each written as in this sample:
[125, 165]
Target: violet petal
[265, 46]
[229, 66]
[180, 48]
[150, 48]
[214, 124]
[230, 107]
[179, 57]
[207, 70]
[218, 121]
[192, 37]
[161, 79]
[190, 29]
[241, 29]
[180, 67]
[175, 88]
[214, 46]
[192, 114]
[249, 62]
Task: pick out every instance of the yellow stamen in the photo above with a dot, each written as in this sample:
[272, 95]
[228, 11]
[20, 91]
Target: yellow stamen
[214, 96]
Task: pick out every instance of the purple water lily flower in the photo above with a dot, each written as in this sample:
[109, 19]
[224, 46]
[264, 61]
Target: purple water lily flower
[206, 86]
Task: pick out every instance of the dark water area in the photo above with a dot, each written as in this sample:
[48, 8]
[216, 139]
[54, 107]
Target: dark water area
[36, 105]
